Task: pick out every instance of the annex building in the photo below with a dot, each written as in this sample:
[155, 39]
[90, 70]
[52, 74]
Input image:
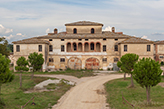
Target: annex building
[83, 46]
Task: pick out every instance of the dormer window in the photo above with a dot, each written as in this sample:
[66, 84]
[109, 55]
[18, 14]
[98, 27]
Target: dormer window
[92, 31]
[74, 30]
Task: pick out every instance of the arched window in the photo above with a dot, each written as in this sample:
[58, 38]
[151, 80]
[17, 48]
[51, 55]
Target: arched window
[92, 30]
[92, 46]
[74, 30]
[98, 47]
[68, 47]
[74, 47]
[79, 46]
[86, 47]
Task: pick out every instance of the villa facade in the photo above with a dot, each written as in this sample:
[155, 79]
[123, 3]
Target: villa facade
[83, 46]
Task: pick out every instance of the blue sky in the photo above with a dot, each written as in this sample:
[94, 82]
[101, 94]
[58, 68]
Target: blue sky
[20, 19]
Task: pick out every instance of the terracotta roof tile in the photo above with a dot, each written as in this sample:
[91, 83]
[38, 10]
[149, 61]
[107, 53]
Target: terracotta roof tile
[31, 41]
[135, 40]
[159, 42]
[83, 23]
[105, 34]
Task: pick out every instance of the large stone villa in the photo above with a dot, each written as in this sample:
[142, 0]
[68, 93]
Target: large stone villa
[85, 46]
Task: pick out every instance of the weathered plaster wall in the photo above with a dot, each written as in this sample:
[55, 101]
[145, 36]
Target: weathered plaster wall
[26, 49]
[139, 49]
[84, 29]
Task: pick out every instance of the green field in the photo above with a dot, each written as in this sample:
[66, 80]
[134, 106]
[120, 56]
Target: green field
[14, 97]
[136, 96]
[76, 73]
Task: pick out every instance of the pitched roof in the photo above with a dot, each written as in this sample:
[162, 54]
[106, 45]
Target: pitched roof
[106, 34]
[159, 42]
[135, 40]
[31, 41]
[79, 23]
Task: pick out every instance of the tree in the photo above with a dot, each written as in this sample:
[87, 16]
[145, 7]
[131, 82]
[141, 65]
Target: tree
[36, 61]
[10, 47]
[3, 47]
[21, 67]
[5, 74]
[126, 64]
[147, 73]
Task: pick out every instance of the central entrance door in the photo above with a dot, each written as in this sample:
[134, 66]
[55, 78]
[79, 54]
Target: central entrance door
[92, 63]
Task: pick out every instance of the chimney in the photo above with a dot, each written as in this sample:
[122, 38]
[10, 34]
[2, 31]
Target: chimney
[55, 31]
[113, 29]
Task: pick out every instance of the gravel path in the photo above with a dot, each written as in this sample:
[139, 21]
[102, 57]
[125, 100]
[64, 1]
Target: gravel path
[87, 94]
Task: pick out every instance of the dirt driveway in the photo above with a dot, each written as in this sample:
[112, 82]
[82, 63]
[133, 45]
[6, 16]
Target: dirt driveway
[87, 94]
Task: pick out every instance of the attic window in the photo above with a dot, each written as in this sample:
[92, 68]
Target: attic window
[86, 39]
[92, 31]
[115, 39]
[104, 38]
[79, 39]
[62, 39]
[74, 30]
[50, 39]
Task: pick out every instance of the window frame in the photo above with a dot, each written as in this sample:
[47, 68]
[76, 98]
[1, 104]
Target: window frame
[104, 48]
[104, 60]
[62, 59]
[125, 48]
[62, 48]
[104, 39]
[17, 48]
[75, 31]
[40, 48]
[51, 60]
[148, 48]
[92, 30]
[50, 48]
[115, 47]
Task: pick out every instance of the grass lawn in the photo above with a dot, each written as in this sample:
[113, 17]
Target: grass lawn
[136, 96]
[14, 97]
[76, 73]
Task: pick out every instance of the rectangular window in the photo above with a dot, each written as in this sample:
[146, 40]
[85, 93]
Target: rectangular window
[40, 47]
[115, 47]
[86, 39]
[79, 39]
[50, 39]
[17, 48]
[104, 60]
[115, 39]
[125, 48]
[62, 39]
[50, 48]
[62, 59]
[148, 47]
[160, 56]
[51, 60]
[104, 48]
[62, 48]
[104, 38]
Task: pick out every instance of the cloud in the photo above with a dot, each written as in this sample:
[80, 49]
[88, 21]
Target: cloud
[157, 33]
[145, 37]
[108, 28]
[47, 30]
[4, 30]
[19, 34]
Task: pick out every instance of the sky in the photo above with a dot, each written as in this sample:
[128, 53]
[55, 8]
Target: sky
[22, 19]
